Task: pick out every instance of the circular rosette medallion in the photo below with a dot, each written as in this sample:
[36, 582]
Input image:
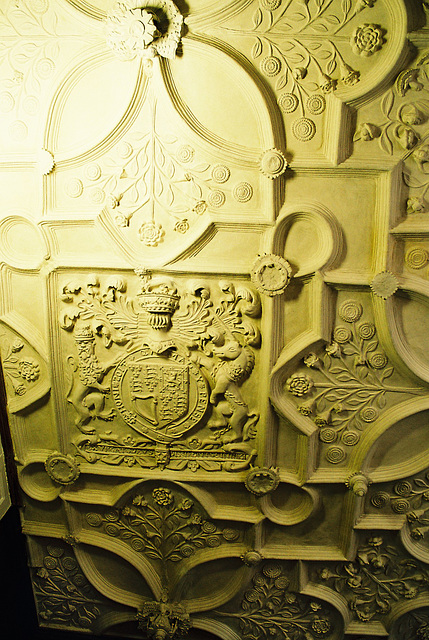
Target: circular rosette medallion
[160, 396]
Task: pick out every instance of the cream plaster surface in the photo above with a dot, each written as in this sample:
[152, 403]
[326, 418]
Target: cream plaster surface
[214, 262]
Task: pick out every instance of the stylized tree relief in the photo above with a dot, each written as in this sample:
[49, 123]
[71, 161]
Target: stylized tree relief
[348, 385]
[380, 576]
[410, 497]
[176, 346]
[164, 526]
[308, 49]
[63, 594]
[270, 610]
[156, 183]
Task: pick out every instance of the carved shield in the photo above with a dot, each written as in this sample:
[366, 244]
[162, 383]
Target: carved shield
[159, 392]
[161, 397]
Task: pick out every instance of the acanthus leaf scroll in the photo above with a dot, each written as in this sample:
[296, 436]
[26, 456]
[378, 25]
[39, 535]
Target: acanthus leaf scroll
[169, 364]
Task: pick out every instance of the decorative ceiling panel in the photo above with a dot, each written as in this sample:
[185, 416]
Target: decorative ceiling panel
[213, 314]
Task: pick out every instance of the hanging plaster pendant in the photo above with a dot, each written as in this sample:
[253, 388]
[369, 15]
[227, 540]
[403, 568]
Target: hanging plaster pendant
[144, 28]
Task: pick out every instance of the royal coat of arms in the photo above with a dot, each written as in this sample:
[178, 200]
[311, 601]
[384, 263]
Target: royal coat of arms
[174, 375]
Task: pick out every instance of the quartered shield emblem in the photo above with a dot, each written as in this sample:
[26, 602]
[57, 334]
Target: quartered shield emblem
[161, 397]
[159, 392]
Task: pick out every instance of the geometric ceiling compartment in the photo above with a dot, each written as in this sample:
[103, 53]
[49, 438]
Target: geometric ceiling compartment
[214, 262]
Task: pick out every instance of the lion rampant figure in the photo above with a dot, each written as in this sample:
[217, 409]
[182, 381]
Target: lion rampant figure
[87, 394]
[233, 365]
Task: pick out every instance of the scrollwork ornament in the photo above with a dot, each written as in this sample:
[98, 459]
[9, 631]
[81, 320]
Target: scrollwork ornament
[261, 480]
[416, 258]
[271, 274]
[62, 468]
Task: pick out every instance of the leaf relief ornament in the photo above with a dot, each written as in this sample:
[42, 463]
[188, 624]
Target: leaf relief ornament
[348, 387]
[270, 610]
[162, 525]
[305, 49]
[64, 596]
[379, 577]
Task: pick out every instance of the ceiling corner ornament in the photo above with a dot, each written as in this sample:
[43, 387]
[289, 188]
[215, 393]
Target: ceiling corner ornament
[358, 484]
[261, 480]
[144, 29]
[384, 285]
[62, 468]
[273, 164]
[271, 274]
[164, 620]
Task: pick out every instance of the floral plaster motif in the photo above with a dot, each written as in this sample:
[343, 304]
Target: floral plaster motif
[163, 526]
[29, 60]
[409, 497]
[413, 625]
[155, 185]
[403, 130]
[306, 50]
[348, 386]
[380, 576]
[367, 39]
[64, 596]
[269, 609]
[21, 371]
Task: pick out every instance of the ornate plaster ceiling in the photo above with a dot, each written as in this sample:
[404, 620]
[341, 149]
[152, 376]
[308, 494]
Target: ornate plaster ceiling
[214, 247]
